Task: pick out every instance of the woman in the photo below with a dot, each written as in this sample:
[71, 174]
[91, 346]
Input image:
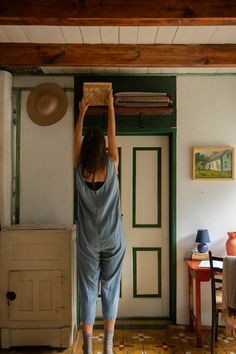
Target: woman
[101, 244]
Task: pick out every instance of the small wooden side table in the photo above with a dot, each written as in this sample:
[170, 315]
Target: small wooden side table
[200, 275]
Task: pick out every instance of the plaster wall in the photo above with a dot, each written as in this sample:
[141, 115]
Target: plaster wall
[206, 116]
[46, 160]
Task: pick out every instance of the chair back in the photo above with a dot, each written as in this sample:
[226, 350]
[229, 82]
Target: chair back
[216, 269]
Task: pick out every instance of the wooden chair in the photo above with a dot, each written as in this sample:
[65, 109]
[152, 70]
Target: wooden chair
[216, 295]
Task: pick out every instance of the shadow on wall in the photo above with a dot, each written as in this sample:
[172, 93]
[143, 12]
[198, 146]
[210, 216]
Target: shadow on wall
[186, 244]
[218, 247]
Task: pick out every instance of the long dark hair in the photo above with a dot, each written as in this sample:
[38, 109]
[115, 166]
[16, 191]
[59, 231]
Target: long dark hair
[93, 155]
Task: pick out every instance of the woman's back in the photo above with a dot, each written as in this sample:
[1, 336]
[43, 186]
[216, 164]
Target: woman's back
[99, 175]
[99, 212]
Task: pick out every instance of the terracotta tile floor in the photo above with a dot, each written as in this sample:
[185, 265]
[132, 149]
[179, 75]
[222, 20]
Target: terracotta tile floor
[136, 340]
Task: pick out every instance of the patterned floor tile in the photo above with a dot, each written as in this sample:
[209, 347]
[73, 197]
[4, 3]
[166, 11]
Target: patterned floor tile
[172, 340]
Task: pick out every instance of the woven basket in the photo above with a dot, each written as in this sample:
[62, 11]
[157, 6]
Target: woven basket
[96, 92]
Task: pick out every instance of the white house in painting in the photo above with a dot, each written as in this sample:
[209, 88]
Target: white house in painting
[220, 161]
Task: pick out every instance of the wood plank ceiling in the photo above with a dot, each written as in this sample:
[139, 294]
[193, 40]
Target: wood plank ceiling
[115, 37]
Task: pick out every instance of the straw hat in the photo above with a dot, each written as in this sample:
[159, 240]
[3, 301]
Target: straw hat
[46, 104]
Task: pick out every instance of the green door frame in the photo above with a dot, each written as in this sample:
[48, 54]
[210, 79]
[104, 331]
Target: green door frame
[171, 133]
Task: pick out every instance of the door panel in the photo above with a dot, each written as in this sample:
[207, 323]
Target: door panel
[38, 295]
[146, 186]
[144, 176]
[147, 280]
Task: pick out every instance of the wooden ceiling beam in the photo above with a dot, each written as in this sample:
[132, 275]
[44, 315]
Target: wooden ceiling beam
[121, 55]
[118, 12]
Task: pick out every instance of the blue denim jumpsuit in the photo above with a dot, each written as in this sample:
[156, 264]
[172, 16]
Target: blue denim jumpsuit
[100, 245]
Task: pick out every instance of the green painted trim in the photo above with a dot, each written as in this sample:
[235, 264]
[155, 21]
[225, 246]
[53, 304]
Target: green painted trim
[147, 132]
[18, 158]
[172, 226]
[138, 132]
[134, 189]
[130, 124]
[13, 182]
[159, 185]
[140, 249]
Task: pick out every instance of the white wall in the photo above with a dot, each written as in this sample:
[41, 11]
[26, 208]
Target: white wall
[46, 161]
[206, 116]
[5, 147]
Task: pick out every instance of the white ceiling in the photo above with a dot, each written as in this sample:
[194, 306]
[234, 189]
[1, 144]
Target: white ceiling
[122, 35]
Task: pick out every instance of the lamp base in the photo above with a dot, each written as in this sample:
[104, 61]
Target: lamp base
[202, 247]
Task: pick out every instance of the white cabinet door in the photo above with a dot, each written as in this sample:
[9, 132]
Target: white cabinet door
[38, 295]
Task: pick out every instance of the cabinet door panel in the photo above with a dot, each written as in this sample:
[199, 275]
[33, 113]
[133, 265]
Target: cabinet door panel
[38, 295]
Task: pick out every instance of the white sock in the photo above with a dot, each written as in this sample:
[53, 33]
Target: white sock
[108, 341]
[87, 344]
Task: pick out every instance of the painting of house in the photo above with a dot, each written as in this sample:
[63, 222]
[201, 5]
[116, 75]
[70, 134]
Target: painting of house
[220, 161]
[213, 162]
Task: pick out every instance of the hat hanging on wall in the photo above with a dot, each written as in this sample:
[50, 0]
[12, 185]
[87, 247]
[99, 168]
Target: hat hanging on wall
[46, 104]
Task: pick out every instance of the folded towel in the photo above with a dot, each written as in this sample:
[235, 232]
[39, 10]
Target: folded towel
[141, 104]
[140, 94]
[142, 99]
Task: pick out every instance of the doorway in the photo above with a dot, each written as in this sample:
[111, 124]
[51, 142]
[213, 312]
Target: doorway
[145, 139]
[144, 181]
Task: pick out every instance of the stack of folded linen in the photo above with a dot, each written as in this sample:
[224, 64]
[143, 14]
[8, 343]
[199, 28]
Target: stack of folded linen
[143, 99]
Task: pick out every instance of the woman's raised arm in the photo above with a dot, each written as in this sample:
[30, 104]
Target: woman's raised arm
[111, 132]
[83, 106]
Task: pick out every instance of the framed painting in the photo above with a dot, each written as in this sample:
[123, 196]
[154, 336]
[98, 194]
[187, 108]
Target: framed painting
[213, 162]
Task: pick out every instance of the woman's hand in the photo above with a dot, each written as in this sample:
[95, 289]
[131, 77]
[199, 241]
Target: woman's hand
[83, 106]
[110, 99]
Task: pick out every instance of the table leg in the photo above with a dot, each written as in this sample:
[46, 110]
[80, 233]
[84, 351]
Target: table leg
[198, 311]
[190, 298]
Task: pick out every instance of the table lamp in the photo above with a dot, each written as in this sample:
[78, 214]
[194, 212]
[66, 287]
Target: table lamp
[202, 239]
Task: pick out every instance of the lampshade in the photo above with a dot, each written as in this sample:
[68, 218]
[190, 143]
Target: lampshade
[203, 236]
